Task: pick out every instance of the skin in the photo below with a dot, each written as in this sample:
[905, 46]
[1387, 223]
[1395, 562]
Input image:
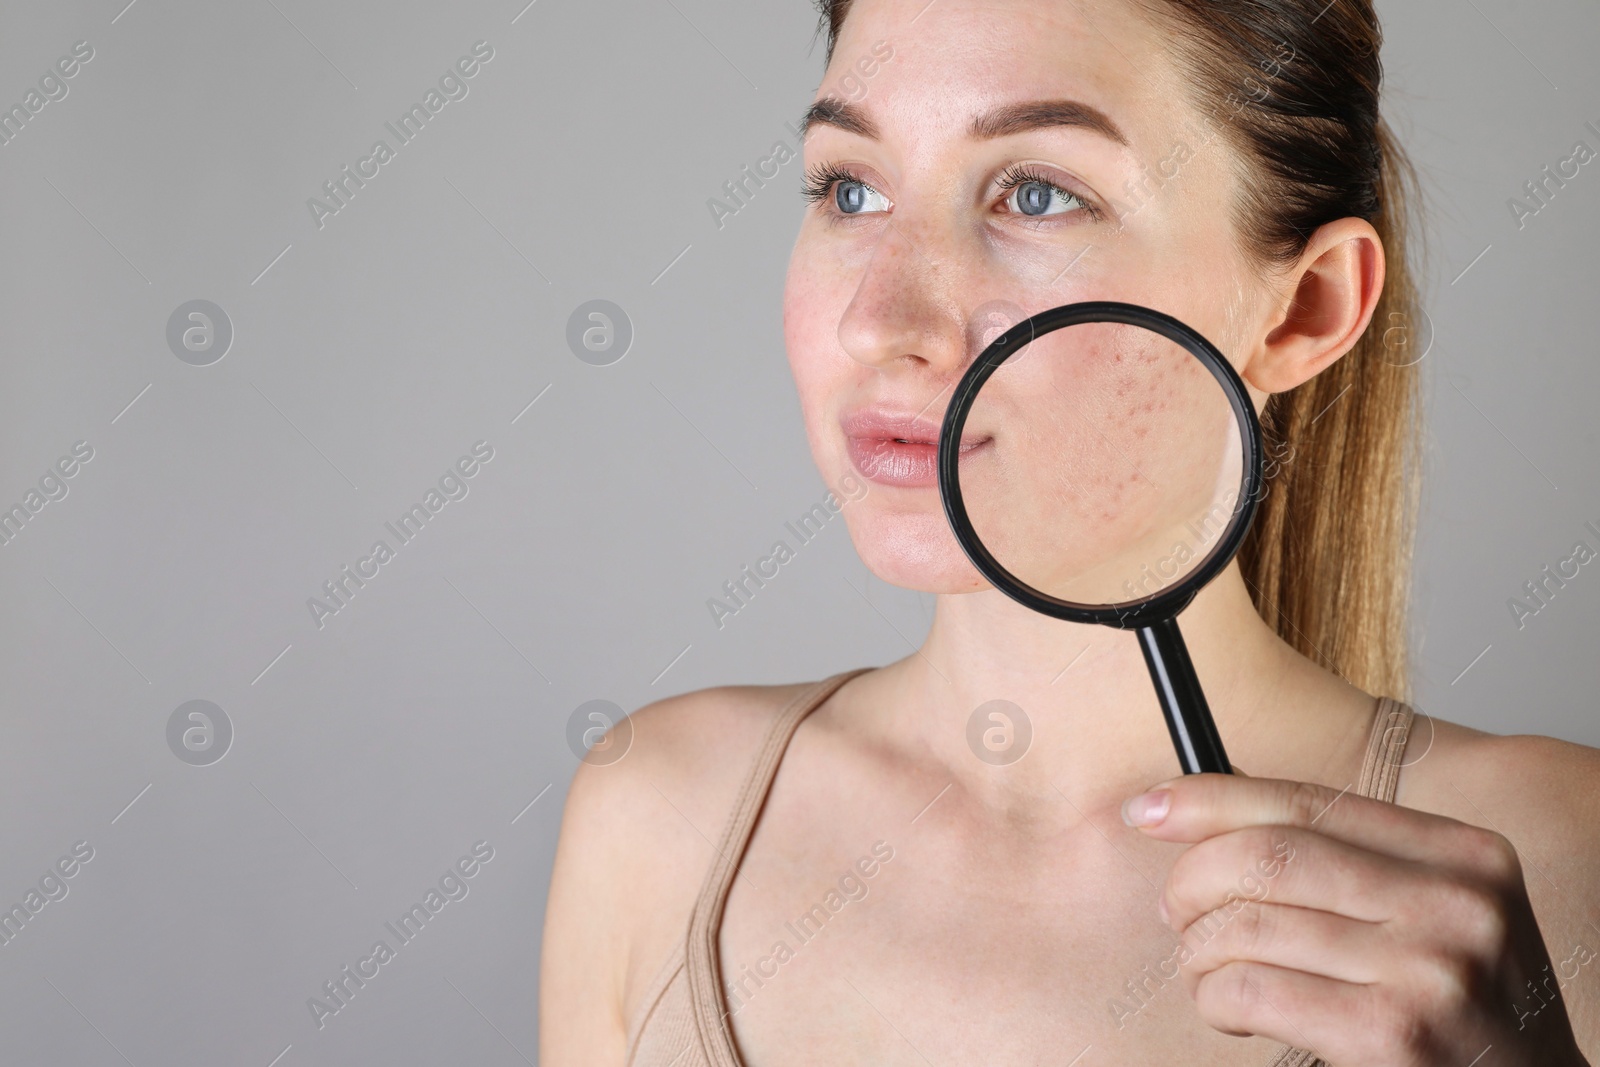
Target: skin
[1132, 436]
[1018, 903]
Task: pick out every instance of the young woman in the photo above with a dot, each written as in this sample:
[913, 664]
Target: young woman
[828, 872]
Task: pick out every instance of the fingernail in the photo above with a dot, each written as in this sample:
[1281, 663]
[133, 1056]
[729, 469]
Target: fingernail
[1146, 809]
[1161, 906]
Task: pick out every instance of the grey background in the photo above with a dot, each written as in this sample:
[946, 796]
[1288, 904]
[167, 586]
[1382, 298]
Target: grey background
[370, 354]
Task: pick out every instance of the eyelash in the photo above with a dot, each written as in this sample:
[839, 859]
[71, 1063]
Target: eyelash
[1018, 174]
[820, 180]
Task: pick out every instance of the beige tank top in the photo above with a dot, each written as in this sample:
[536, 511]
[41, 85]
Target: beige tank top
[683, 1019]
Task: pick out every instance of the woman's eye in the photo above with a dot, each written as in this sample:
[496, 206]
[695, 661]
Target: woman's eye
[854, 198]
[1035, 198]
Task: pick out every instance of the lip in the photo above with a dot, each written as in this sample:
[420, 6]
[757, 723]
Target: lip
[896, 447]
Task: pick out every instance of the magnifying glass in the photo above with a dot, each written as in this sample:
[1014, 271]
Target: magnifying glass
[1100, 462]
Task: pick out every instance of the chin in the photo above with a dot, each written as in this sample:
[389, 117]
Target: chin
[911, 547]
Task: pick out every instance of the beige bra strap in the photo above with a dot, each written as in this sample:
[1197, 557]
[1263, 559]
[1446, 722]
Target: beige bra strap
[704, 968]
[1380, 777]
[1386, 749]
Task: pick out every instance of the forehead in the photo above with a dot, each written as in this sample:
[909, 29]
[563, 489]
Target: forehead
[954, 59]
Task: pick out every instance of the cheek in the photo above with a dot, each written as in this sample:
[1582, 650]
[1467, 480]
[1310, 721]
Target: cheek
[805, 332]
[1108, 441]
[1142, 402]
[814, 357]
[810, 305]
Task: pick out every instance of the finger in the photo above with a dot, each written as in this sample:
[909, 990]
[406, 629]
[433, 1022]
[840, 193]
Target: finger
[1293, 1007]
[1301, 939]
[1290, 866]
[1203, 805]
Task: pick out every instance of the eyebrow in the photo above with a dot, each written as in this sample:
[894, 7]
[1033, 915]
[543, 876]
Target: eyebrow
[1000, 122]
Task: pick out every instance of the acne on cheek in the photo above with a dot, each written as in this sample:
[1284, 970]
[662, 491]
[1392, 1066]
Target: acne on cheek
[1167, 391]
[1145, 402]
[1083, 370]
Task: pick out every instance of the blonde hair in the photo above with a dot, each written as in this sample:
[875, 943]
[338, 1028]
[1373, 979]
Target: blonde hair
[1328, 556]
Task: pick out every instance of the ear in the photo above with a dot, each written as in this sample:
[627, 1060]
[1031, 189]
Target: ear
[1333, 289]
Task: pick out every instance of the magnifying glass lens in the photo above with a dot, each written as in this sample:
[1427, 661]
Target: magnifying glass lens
[1103, 464]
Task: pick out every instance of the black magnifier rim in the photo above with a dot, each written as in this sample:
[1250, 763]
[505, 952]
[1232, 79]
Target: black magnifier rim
[1129, 614]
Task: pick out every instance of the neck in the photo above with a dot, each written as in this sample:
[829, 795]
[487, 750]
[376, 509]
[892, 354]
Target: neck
[1086, 691]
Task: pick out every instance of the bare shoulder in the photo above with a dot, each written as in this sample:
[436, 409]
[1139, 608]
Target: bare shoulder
[677, 782]
[1542, 794]
[637, 837]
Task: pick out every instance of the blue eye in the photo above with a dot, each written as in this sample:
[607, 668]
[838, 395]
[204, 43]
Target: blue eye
[851, 195]
[1034, 196]
[854, 197]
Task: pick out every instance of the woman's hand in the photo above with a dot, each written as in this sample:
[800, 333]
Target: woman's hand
[1375, 935]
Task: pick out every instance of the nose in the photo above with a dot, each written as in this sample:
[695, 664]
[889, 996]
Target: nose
[905, 314]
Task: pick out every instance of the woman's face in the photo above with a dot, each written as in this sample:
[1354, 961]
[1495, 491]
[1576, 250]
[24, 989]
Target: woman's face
[979, 163]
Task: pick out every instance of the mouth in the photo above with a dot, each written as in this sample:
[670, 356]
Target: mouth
[900, 450]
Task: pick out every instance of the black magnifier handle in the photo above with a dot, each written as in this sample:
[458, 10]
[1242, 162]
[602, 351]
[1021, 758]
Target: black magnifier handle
[1183, 702]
